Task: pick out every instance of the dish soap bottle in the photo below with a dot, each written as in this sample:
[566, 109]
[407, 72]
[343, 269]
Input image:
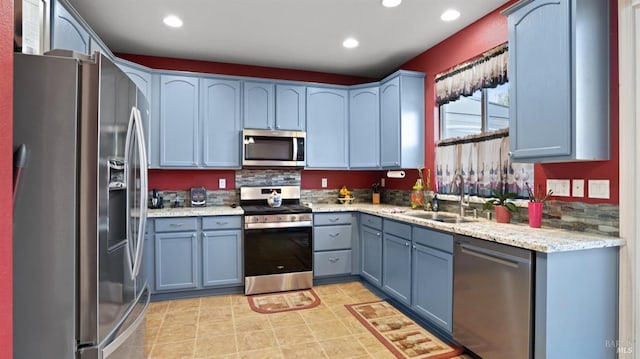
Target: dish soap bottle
[434, 205]
[417, 196]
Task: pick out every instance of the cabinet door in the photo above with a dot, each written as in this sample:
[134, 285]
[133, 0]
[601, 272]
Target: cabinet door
[259, 103]
[67, 33]
[371, 242]
[176, 261]
[221, 123]
[540, 80]
[290, 107]
[433, 285]
[221, 258]
[364, 128]
[178, 121]
[390, 123]
[396, 268]
[327, 131]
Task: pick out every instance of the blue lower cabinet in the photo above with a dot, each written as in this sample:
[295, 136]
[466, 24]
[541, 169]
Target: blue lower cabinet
[371, 242]
[432, 276]
[396, 268]
[176, 265]
[221, 258]
[332, 263]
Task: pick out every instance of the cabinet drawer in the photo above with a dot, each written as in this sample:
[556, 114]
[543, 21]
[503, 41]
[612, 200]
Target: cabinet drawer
[331, 237]
[332, 263]
[176, 224]
[221, 222]
[434, 239]
[371, 221]
[398, 229]
[332, 218]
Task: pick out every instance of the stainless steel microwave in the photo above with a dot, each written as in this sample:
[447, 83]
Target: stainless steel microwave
[266, 148]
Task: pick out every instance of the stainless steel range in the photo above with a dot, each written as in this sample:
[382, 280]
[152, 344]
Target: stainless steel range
[278, 241]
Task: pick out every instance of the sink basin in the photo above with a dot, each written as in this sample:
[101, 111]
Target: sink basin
[440, 217]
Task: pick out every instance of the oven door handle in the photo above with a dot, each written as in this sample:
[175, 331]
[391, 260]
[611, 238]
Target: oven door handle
[278, 225]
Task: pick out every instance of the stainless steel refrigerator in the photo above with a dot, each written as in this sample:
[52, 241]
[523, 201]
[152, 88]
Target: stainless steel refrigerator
[79, 209]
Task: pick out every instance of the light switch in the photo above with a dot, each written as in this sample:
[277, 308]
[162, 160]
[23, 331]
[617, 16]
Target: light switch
[599, 189]
[222, 183]
[324, 183]
[382, 182]
[560, 188]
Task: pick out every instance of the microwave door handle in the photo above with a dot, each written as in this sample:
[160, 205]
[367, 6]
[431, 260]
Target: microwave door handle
[295, 149]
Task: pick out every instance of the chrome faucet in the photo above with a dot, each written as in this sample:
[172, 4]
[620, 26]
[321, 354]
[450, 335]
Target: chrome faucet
[463, 203]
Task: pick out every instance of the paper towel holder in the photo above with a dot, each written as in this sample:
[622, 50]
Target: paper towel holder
[395, 174]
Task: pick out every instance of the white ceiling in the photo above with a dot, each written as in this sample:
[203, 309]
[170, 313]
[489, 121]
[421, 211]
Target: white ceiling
[292, 34]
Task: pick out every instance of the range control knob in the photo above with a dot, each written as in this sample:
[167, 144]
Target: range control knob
[265, 219]
[293, 218]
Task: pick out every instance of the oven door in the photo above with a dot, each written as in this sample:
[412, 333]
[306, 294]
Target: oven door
[271, 251]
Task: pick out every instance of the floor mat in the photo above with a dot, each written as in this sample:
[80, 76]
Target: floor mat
[284, 301]
[401, 335]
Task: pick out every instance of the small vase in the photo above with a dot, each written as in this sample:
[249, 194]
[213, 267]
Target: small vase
[503, 215]
[535, 214]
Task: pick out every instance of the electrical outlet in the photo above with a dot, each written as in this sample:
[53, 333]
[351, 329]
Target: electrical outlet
[577, 189]
[560, 188]
[222, 183]
[599, 189]
[382, 182]
[324, 183]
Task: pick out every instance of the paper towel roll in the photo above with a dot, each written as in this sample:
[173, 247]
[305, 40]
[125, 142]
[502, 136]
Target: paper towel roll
[395, 174]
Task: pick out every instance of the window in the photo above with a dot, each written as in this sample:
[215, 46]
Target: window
[485, 110]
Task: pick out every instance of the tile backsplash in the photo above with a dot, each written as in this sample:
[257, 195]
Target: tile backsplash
[575, 216]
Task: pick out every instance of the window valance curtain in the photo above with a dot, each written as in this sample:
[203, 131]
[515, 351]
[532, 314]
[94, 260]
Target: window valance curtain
[489, 70]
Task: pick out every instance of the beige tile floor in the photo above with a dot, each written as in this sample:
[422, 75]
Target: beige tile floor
[226, 327]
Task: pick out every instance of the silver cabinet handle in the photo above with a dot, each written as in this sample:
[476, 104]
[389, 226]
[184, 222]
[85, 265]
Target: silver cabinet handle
[334, 235]
[378, 234]
[334, 260]
[176, 224]
[406, 244]
[336, 219]
[222, 223]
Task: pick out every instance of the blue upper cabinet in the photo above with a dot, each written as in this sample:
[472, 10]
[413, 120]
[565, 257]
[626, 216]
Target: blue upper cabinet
[221, 123]
[327, 127]
[402, 120]
[67, 31]
[179, 115]
[364, 128]
[559, 80]
[290, 107]
[259, 109]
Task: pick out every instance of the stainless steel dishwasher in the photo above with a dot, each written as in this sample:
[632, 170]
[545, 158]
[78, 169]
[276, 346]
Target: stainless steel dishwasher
[492, 298]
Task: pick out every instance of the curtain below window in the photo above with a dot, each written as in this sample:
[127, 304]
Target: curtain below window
[490, 70]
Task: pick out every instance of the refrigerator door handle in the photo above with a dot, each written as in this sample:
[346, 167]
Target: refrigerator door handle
[135, 248]
[144, 194]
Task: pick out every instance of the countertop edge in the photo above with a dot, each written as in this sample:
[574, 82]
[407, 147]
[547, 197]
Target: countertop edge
[544, 240]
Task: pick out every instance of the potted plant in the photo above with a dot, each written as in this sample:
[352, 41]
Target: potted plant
[503, 207]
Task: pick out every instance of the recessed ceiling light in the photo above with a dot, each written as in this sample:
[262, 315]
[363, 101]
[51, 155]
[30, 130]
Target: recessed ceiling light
[450, 15]
[391, 3]
[172, 21]
[350, 43]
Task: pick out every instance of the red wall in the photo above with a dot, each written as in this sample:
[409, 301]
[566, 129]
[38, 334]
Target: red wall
[6, 170]
[484, 34]
[220, 68]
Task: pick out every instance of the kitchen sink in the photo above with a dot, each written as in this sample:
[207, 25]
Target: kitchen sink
[440, 217]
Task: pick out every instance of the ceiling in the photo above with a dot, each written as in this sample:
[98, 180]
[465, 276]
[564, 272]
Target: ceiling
[292, 34]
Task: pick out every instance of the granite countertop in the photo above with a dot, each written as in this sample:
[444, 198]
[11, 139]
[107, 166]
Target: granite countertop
[546, 240]
[195, 211]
